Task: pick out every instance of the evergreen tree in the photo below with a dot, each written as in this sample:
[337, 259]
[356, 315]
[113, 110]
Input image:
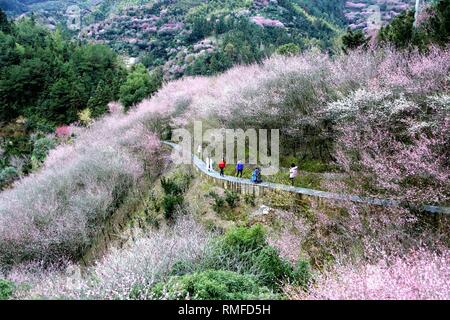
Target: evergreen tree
[353, 40]
[98, 102]
[433, 27]
[156, 79]
[136, 87]
[400, 31]
[5, 25]
[289, 49]
[438, 25]
[48, 78]
[66, 97]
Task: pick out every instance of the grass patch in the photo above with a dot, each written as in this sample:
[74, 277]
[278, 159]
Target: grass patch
[245, 250]
[240, 264]
[310, 181]
[213, 285]
[6, 289]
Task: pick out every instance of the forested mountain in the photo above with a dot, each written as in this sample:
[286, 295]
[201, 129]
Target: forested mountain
[13, 7]
[53, 76]
[361, 13]
[198, 37]
[17, 7]
[47, 80]
[205, 37]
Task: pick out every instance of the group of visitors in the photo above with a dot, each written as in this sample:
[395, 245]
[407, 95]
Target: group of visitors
[239, 169]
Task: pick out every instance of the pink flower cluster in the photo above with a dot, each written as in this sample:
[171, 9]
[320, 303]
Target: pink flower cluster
[53, 213]
[395, 149]
[350, 4]
[415, 73]
[419, 275]
[115, 107]
[265, 22]
[63, 131]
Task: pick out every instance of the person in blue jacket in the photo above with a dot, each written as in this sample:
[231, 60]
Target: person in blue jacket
[256, 176]
[239, 168]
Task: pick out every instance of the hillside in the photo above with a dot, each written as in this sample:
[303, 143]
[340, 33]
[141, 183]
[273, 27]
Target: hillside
[105, 188]
[13, 7]
[47, 81]
[359, 13]
[192, 37]
[50, 14]
[17, 7]
[197, 37]
[206, 37]
[392, 114]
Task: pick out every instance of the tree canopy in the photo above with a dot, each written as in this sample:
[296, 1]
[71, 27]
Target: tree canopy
[48, 78]
[433, 27]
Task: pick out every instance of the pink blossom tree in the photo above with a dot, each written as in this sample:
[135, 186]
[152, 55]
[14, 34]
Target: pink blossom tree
[420, 275]
[394, 148]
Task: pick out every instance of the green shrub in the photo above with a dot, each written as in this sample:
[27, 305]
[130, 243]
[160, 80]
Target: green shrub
[8, 175]
[169, 204]
[271, 267]
[137, 291]
[170, 187]
[137, 86]
[235, 250]
[245, 239]
[250, 199]
[6, 289]
[182, 179]
[245, 250]
[152, 221]
[152, 207]
[302, 273]
[232, 198]
[174, 188]
[183, 267]
[41, 149]
[219, 202]
[353, 40]
[213, 285]
[289, 49]
[218, 205]
[153, 203]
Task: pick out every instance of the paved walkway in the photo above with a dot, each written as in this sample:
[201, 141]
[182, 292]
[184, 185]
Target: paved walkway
[201, 165]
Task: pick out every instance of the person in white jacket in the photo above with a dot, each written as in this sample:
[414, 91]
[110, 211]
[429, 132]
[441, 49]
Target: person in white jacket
[199, 151]
[293, 173]
[209, 163]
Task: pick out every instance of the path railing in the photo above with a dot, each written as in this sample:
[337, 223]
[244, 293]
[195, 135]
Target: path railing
[246, 186]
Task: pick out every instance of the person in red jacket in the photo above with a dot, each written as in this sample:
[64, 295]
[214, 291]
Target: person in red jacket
[222, 165]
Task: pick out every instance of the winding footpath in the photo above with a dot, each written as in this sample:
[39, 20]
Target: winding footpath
[201, 166]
